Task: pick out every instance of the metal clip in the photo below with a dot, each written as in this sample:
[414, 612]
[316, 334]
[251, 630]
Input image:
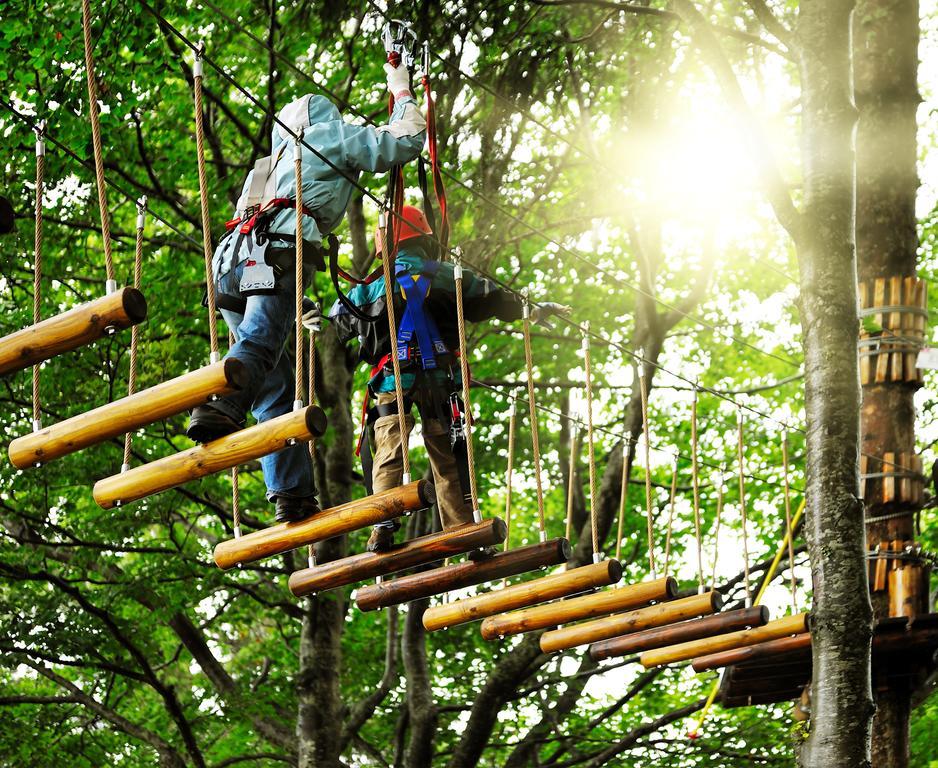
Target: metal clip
[142, 212]
[398, 37]
[197, 64]
[40, 130]
[298, 145]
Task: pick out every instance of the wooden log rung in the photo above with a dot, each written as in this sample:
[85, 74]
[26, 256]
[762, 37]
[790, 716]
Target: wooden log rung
[771, 649]
[788, 625]
[684, 631]
[531, 592]
[420, 551]
[77, 327]
[232, 450]
[328, 524]
[128, 414]
[622, 598]
[461, 575]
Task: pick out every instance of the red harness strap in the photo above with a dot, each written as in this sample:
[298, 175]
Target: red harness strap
[438, 187]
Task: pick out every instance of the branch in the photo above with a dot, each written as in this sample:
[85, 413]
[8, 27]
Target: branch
[772, 23]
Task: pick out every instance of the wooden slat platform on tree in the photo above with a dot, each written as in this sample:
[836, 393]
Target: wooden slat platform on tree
[328, 524]
[128, 414]
[531, 592]
[79, 326]
[237, 448]
[787, 625]
[601, 603]
[693, 629]
[431, 548]
[643, 618]
[460, 575]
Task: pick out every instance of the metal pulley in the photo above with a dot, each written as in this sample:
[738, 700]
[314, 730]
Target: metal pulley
[400, 42]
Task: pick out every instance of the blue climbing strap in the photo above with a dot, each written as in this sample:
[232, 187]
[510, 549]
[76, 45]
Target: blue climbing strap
[416, 323]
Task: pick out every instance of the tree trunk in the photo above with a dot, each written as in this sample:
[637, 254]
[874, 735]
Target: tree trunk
[885, 46]
[319, 732]
[842, 616]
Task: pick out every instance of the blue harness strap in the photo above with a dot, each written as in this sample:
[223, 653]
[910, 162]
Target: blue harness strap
[416, 323]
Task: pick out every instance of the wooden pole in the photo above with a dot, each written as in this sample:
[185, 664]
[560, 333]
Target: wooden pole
[767, 650]
[519, 595]
[410, 554]
[662, 636]
[237, 448]
[461, 575]
[631, 621]
[787, 625]
[330, 523]
[583, 607]
[128, 414]
[70, 330]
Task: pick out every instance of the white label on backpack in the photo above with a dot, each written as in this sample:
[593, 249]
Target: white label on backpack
[257, 274]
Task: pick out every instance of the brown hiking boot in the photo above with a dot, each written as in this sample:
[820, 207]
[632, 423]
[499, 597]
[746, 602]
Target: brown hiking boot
[381, 539]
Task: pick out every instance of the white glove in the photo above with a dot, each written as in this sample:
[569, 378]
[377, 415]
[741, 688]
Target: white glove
[398, 79]
[541, 313]
[312, 319]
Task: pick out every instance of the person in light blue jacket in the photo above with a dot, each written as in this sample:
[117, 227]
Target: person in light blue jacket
[254, 264]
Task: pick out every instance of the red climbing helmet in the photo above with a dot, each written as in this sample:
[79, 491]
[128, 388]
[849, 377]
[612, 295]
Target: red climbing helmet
[414, 224]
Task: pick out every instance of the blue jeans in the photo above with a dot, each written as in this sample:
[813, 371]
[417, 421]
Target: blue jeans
[261, 336]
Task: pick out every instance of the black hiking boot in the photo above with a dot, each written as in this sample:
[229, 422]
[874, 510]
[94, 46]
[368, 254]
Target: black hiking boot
[381, 539]
[207, 424]
[293, 510]
[482, 554]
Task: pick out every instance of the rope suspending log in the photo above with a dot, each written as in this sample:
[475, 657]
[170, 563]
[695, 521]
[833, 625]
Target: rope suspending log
[532, 413]
[571, 478]
[742, 503]
[94, 116]
[512, 417]
[671, 502]
[594, 504]
[466, 383]
[623, 491]
[695, 474]
[235, 479]
[716, 526]
[135, 330]
[298, 270]
[643, 390]
[37, 259]
[197, 74]
[311, 550]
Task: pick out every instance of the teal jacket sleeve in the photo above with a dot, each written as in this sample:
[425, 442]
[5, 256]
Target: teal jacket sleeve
[367, 148]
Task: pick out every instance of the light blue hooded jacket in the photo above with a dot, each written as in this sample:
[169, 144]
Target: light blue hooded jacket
[326, 191]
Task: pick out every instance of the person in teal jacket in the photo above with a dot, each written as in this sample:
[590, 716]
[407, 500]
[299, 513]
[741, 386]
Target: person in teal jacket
[428, 342]
[253, 265]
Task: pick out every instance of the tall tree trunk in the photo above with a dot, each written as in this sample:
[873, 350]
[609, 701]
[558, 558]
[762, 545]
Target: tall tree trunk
[319, 722]
[842, 618]
[885, 66]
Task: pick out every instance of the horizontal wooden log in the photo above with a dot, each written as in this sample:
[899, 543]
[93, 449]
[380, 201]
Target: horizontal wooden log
[420, 551]
[788, 625]
[328, 524]
[556, 585]
[70, 330]
[642, 618]
[237, 448]
[694, 629]
[602, 603]
[770, 649]
[128, 414]
[461, 575]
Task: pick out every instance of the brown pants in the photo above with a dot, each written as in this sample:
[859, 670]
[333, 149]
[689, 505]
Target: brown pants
[388, 469]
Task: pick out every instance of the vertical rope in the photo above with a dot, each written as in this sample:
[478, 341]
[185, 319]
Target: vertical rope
[512, 418]
[311, 399]
[588, 365]
[386, 257]
[298, 269]
[93, 113]
[643, 389]
[203, 200]
[672, 499]
[716, 527]
[791, 545]
[135, 330]
[623, 491]
[695, 473]
[235, 480]
[467, 404]
[742, 501]
[37, 259]
[532, 415]
[571, 477]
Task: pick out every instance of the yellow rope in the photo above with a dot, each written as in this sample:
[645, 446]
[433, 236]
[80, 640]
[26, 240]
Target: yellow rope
[623, 490]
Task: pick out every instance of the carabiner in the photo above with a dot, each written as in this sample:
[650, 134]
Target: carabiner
[399, 38]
